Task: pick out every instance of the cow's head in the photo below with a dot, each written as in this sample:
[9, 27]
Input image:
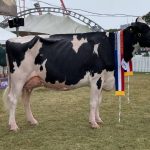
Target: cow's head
[135, 36]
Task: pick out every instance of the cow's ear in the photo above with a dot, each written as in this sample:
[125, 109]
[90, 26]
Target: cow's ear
[140, 19]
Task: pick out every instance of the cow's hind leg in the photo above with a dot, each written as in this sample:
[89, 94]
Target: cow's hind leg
[26, 93]
[10, 104]
[97, 116]
[11, 100]
[94, 101]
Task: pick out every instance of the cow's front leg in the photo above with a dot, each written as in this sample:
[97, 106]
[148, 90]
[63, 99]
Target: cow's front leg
[94, 102]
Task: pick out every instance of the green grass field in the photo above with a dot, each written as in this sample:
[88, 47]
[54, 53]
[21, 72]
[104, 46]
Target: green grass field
[63, 121]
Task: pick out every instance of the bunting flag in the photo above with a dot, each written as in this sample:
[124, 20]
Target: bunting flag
[8, 7]
[119, 71]
[129, 70]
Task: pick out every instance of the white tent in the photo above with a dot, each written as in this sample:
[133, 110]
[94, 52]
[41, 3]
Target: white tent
[52, 24]
[141, 63]
[5, 35]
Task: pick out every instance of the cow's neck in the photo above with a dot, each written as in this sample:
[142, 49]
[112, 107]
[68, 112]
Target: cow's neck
[131, 45]
[111, 37]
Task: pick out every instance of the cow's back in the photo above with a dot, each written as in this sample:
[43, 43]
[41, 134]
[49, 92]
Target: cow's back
[65, 62]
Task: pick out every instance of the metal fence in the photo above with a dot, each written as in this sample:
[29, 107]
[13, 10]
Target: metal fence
[141, 63]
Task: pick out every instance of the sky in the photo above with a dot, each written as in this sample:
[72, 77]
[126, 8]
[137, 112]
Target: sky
[130, 7]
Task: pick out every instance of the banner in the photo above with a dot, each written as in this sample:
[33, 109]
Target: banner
[8, 7]
[119, 71]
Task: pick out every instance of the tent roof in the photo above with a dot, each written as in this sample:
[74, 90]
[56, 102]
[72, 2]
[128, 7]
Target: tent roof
[52, 24]
[5, 35]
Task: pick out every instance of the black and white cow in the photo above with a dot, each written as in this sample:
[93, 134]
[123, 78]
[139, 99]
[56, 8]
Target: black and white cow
[66, 62]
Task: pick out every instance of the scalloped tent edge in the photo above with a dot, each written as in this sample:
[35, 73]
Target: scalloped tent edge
[51, 24]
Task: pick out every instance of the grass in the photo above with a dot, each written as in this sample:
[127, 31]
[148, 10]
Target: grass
[63, 121]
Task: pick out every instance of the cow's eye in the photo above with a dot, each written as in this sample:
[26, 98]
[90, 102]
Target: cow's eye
[139, 34]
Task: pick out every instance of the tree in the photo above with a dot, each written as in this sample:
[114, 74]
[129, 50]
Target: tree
[112, 30]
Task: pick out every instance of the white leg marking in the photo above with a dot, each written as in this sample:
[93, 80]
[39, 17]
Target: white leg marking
[12, 108]
[13, 94]
[97, 116]
[26, 100]
[94, 100]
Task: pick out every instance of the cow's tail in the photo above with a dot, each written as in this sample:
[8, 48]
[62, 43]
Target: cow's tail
[6, 92]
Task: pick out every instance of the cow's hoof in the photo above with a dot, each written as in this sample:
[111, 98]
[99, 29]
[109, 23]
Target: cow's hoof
[100, 121]
[33, 122]
[13, 128]
[94, 125]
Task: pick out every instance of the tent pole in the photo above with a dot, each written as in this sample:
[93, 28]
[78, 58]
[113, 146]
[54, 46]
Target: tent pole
[17, 31]
[63, 6]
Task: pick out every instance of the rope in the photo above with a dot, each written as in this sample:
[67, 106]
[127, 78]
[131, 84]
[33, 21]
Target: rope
[128, 95]
[119, 109]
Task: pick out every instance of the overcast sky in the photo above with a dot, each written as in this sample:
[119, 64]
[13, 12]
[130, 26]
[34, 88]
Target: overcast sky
[131, 7]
